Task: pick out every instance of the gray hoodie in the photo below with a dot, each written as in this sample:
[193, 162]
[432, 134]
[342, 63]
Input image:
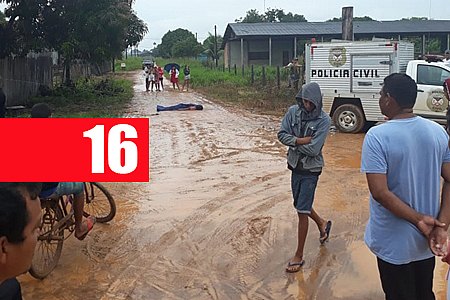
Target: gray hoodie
[298, 122]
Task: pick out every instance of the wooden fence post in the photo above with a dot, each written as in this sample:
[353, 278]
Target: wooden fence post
[235, 69]
[253, 75]
[263, 75]
[278, 77]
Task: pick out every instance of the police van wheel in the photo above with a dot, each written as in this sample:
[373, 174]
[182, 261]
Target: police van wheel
[349, 118]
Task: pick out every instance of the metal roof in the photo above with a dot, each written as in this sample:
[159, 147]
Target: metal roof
[243, 30]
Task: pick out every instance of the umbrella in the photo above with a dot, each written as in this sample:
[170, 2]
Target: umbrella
[169, 67]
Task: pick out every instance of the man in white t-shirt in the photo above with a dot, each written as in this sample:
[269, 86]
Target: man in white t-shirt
[147, 78]
[404, 160]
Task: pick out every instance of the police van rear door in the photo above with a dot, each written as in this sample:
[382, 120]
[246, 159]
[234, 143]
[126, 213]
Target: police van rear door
[368, 71]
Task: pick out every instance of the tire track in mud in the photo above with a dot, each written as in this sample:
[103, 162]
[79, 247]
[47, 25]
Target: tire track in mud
[244, 239]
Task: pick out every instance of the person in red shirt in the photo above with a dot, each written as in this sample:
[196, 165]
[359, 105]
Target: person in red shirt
[174, 73]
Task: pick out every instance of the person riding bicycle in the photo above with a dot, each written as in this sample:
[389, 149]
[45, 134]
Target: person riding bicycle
[58, 189]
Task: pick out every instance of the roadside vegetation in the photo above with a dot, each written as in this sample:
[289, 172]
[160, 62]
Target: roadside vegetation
[99, 97]
[132, 63]
[233, 89]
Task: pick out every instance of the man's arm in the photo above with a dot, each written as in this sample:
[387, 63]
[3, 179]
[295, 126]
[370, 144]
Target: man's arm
[286, 136]
[438, 237]
[317, 140]
[380, 192]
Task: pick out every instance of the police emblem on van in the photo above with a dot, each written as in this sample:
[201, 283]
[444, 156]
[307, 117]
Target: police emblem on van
[337, 57]
[437, 102]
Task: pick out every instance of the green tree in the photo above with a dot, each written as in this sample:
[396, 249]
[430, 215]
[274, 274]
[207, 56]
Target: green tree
[92, 30]
[2, 18]
[289, 17]
[252, 16]
[210, 47]
[177, 38]
[7, 38]
[136, 30]
[188, 47]
[272, 15]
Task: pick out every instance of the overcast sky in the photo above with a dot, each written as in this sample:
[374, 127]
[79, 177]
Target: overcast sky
[200, 16]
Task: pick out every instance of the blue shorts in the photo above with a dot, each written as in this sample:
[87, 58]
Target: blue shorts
[303, 189]
[68, 188]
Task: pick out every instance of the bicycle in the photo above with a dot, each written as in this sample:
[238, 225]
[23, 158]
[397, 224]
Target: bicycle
[58, 224]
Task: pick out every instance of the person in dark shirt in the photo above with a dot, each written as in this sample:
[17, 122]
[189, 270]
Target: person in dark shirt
[10, 290]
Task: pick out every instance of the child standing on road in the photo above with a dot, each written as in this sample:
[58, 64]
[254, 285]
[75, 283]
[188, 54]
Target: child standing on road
[156, 78]
[187, 78]
[161, 77]
[152, 78]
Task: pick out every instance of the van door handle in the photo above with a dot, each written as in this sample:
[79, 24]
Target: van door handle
[420, 91]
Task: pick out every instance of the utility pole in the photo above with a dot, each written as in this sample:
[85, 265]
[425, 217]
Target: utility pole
[347, 23]
[215, 46]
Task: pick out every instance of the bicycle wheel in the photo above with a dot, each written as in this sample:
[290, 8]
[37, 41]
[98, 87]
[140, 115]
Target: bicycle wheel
[50, 243]
[99, 202]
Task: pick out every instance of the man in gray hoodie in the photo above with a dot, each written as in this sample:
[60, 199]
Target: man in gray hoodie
[304, 129]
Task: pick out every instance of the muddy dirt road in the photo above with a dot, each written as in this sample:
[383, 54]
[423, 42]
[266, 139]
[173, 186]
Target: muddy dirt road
[216, 220]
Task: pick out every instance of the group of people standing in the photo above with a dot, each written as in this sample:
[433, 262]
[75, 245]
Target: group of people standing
[154, 77]
[404, 160]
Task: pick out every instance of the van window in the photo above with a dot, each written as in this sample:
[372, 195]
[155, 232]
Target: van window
[431, 75]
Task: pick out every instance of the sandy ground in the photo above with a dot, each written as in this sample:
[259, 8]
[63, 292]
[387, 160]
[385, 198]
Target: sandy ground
[216, 219]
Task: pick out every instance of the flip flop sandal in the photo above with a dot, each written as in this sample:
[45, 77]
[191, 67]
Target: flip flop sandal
[297, 265]
[90, 221]
[323, 238]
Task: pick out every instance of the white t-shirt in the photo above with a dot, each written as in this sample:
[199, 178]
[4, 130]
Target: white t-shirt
[146, 72]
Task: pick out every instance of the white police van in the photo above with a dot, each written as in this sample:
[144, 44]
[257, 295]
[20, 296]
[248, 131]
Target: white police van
[351, 74]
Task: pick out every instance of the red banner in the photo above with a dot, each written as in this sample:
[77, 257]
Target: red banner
[61, 150]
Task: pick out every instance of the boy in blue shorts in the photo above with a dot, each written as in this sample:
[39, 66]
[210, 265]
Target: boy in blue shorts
[304, 129]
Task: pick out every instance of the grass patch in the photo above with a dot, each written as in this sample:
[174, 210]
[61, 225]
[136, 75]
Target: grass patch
[132, 63]
[99, 97]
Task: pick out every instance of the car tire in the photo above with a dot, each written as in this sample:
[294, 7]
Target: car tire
[349, 118]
